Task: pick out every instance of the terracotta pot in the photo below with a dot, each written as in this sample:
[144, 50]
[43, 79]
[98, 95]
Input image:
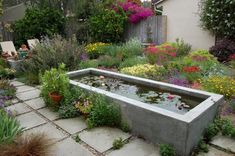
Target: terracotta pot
[55, 97]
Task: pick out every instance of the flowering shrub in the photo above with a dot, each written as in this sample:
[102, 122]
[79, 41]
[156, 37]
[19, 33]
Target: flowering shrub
[94, 49]
[160, 54]
[220, 84]
[84, 106]
[192, 73]
[179, 81]
[218, 17]
[135, 12]
[145, 70]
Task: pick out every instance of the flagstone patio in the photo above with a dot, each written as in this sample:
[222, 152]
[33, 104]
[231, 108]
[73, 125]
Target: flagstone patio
[35, 117]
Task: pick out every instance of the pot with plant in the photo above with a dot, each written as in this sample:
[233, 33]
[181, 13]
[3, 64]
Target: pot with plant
[55, 83]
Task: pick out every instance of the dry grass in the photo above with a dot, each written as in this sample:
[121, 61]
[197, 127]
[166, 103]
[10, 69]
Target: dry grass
[30, 145]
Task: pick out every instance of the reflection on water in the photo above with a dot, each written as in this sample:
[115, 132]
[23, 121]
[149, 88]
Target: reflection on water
[160, 98]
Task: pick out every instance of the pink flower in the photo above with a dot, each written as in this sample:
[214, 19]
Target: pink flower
[171, 97]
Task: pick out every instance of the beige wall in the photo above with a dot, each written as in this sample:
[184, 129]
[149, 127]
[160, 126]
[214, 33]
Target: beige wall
[183, 21]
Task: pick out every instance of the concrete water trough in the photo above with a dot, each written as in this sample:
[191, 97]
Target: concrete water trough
[156, 124]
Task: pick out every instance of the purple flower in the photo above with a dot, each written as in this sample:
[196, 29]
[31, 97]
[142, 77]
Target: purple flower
[84, 57]
[179, 82]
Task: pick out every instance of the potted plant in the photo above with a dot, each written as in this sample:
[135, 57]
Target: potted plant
[55, 83]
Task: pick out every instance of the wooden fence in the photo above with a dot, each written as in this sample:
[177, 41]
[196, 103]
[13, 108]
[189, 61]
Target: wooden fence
[153, 29]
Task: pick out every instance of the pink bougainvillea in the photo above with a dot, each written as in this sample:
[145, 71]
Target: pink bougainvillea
[135, 12]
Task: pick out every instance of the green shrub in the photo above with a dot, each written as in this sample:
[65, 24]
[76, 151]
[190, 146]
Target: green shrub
[203, 147]
[88, 64]
[129, 62]
[103, 113]
[125, 127]
[182, 48]
[211, 131]
[35, 24]
[68, 111]
[107, 25]
[118, 143]
[218, 17]
[167, 150]
[108, 61]
[9, 128]
[131, 48]
[227, 128]
[50, 53]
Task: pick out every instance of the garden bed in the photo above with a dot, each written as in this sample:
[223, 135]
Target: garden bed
[161, 125]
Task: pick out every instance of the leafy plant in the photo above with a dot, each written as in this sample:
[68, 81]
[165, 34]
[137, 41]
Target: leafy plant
[55, 80]
[77, 138]
[52, 52]
[9, 128]
[211, 131]
[223, 49]
[182, 48]
[107, 25]
[94, 50]
[129, 62]
[218, 17]
[203, 147]
[103, 113]
[125, 127]
[35, 24]
[167, 150]
[68, 111]
[108, 61]
[118, 143]
[88, 64]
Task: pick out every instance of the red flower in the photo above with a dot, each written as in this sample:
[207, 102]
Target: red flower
[191, 69]
[232, 57]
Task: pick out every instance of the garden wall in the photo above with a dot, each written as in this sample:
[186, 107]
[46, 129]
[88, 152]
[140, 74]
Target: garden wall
[152, 29]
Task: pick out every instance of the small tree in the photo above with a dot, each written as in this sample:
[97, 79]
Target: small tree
[218, 16]
[38, 23]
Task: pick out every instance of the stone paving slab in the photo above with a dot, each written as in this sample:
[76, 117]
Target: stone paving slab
[137, 147]
[224, 142]
[102, 138]
[49, 114]
[28, 95]
[36, 103]
[50, 130]
[30, 120]
[72, 125]
[16, 83]
[69, 147]
[215, 152]
[19, 108]
[24, 89]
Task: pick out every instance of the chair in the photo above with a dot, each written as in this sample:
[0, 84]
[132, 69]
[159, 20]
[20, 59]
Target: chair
[32, 43]
[8, 46]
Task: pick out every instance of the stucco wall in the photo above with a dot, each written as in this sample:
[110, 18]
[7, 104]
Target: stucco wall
[183, 21]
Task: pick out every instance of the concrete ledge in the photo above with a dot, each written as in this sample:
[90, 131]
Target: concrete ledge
[157, 124]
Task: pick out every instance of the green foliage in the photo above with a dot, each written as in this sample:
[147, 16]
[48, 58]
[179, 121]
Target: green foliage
[77, 138]
[9, 128]
[108, 61]
[103, 113]
[68, 111]
[50, 53]
[38, 23]
[125, 127]
[211, 131]
[54, 80]
[131, 48]
[118, 143]
[88, 64]
[167, 150]
[218, 17]
[227, 128]
[129, 62]
[203, 147]
[107, 25]
[182, 48]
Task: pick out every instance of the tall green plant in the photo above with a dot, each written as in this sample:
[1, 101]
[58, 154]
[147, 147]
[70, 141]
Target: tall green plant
[108, 25]
[9, 128]
[38, 23]
[218, 17]
[54, 80]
